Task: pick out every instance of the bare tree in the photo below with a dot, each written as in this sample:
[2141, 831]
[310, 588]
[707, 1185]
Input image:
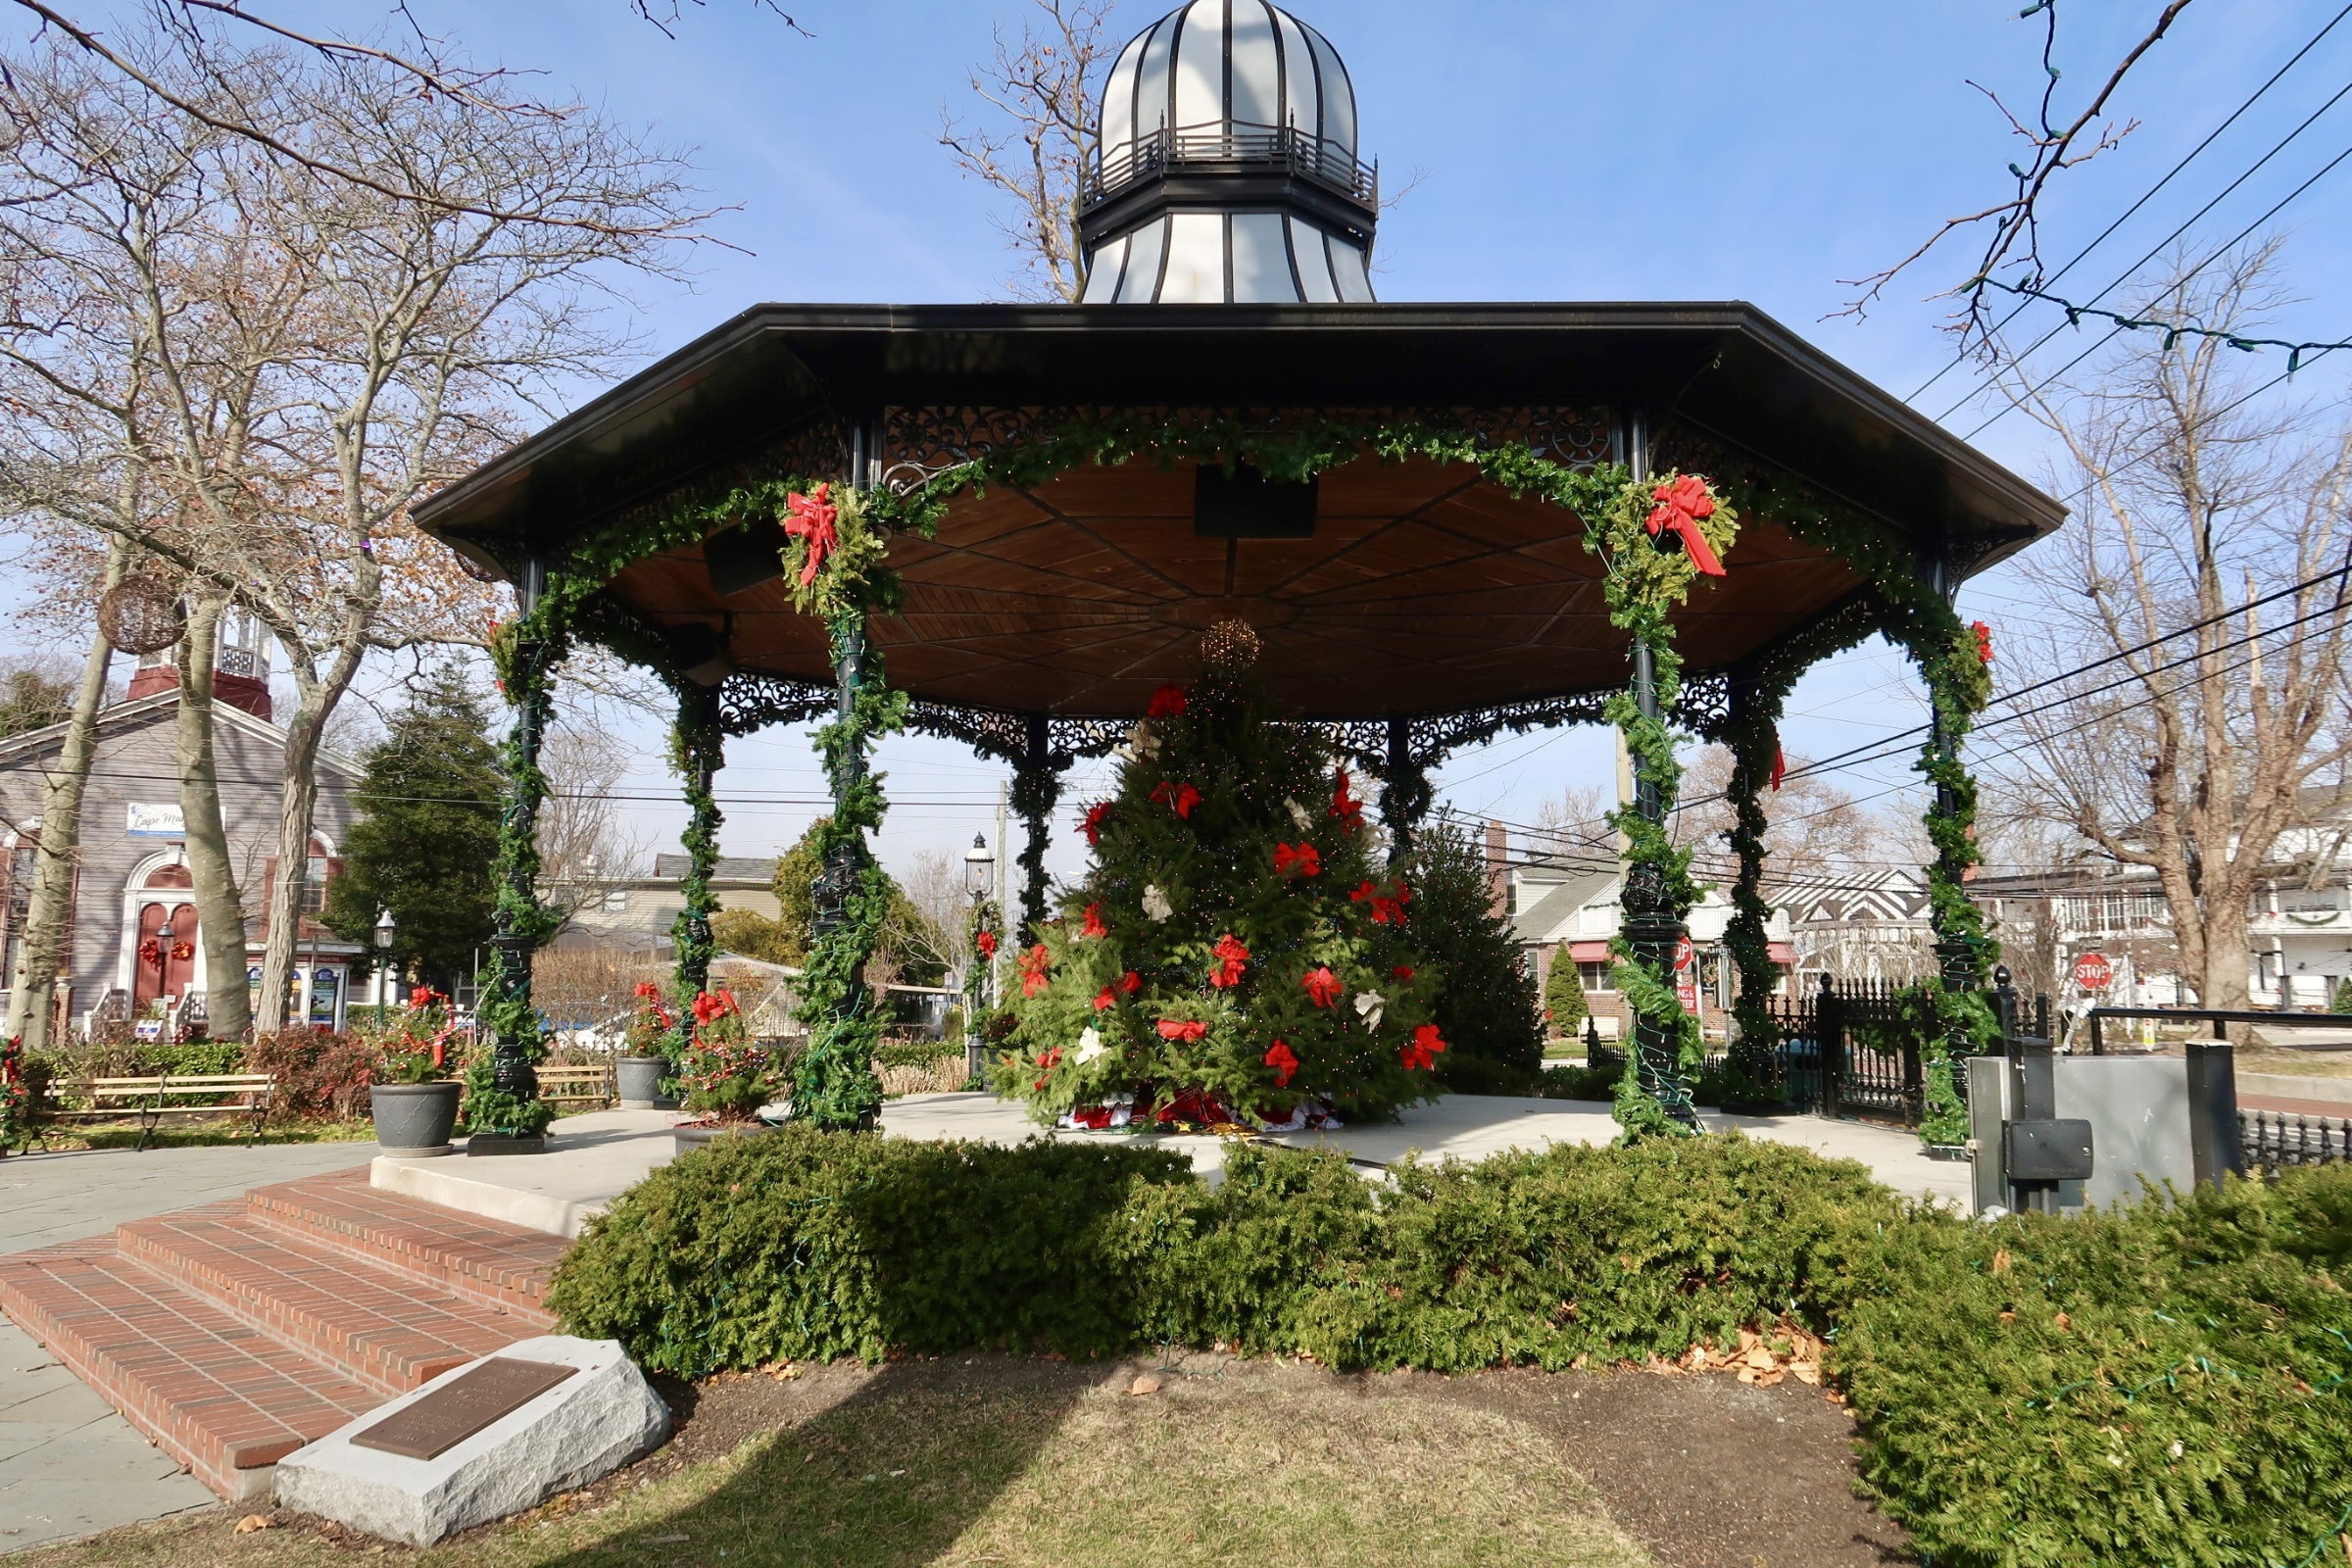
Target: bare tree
[934, 885]
[2053, 145]
[2192, 756]
[251, 370]
[586, 846]
[1042, 93]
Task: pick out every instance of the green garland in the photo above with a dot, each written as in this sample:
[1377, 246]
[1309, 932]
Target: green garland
[835, 1084]
[504, 1012]
[854, 579]
[1643, 585]
[1959, 684]
[697, 749]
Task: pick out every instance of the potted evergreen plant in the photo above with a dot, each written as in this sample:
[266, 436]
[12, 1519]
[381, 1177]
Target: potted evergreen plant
[728, 1075]
[643, 1063]
[411, 1092]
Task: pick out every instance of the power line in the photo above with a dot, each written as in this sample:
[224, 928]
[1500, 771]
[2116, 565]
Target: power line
[2148, 195]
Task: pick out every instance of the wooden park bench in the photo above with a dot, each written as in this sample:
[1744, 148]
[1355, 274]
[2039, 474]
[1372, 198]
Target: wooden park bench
[151, 1099]
[567, 1085]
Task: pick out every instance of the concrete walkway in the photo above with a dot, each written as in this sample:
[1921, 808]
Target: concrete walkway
[69, 1465]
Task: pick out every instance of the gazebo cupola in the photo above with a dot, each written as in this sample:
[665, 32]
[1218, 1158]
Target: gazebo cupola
[1228, 171]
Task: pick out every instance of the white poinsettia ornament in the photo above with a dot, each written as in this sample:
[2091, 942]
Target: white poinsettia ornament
[1155, 903]
[1367, 1007]
[1089, 1045]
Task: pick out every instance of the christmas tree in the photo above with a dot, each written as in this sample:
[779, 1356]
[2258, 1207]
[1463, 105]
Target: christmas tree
[1234, 954]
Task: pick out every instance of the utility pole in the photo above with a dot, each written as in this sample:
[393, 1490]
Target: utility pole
[996, 991]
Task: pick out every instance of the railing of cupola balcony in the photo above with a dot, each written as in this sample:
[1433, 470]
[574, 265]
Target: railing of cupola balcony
[1226, 145]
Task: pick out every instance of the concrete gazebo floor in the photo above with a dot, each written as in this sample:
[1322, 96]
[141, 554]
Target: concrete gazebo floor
[593, 1158]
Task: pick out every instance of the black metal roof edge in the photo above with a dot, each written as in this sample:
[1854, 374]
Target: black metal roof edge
[626, 401]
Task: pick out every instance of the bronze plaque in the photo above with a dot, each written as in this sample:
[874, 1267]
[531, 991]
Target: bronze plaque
[456, 1412]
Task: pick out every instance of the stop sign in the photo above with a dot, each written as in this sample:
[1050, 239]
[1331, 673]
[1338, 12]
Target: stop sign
[2093, 972]
[1684, 955]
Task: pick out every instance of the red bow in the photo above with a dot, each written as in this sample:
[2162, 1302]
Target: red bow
[709, 1008]
[1179, 797]
[1306, 858]
[1984, 641]
[1096, 815]
[1422, 1052]
[1322, 986]
[1033, 970]
[1181, 1029]
[811, 518]
[1384, 907]
[1680, 507]
[1284, 1063]
[1104, 1000]
[1094, 922]
[1779, 766]
[1130, 982]
[1166, 703]
[1346, 806]
[986, 942]
[1231, 958]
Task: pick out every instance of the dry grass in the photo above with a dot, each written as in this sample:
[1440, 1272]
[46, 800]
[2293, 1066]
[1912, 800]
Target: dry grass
[1024, 1470]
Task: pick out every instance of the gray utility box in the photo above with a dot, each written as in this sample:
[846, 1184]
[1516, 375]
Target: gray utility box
[2138, 1111]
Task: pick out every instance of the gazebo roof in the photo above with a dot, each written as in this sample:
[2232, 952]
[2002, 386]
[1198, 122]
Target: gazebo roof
[1423, 587]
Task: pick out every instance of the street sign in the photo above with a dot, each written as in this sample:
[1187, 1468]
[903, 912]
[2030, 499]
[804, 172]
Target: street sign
[1684, 955]
[2093, 972]
[1686, 974]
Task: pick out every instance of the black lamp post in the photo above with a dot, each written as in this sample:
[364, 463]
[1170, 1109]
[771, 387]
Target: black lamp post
[384, 963]
[979, 875]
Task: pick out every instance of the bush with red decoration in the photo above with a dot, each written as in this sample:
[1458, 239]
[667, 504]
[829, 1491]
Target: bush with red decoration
[1238, 949]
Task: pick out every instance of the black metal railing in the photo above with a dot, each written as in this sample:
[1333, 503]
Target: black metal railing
[1225, 145]
[2274, 1139]
[2215, 1016]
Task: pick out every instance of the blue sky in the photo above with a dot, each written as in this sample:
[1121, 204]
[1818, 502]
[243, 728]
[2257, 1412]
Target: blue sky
[1674, 149]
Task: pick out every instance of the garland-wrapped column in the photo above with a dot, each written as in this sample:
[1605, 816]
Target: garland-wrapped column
[835, 1086]
[1405, 792]
[697, 750]
[1654, 920]
[1955, 665]
[1036, 791]
[1754, 745]
[504, 1113]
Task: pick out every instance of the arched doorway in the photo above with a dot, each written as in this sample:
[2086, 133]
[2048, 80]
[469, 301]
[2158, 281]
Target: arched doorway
[166, 947]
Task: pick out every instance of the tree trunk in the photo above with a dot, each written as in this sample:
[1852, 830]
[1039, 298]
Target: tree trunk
[2222, 983]
[219, 911]
[298, 802]
[58, 852]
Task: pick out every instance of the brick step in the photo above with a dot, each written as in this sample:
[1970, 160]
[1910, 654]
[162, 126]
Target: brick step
[390, 1331]
[221, 1396]
[482, 1260]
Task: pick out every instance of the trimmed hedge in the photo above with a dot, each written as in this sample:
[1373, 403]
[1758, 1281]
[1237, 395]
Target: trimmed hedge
[2159, 1385]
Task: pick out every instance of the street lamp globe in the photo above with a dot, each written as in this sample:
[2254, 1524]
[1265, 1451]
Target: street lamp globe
[979, 867]
[383, 931]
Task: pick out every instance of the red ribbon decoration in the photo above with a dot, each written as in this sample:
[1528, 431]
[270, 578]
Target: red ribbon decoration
[811, 518]
[1983, 642]
[1181, 1029]
[1094, 922]
[1680, 507]
[1166, 703]
[1779, 766]
[1322, 986]
[1403, 973]
[1104, 1000]
[1284, 1062]
[1384, 907]
[986, 942]
[1232, 959]
[1033, 970]
[1346, 806]
[1422, 1054]
[1306, 858]
[1130, 982]
[1096, 815]
[1178, 797]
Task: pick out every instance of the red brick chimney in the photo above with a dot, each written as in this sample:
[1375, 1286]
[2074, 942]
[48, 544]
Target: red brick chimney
[1498, 868]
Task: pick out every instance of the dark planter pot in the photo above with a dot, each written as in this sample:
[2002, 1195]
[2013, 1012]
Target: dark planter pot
[639, 1080]
[414, 1120]
[704, 1135]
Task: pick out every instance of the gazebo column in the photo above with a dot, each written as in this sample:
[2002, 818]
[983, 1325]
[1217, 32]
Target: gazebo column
[1405, 792]
[509, 1114]
[1653, 926]
[1036, 791]
[698, 747]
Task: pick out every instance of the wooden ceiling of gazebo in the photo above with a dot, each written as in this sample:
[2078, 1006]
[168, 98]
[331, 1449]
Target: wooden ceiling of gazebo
[1424, 589]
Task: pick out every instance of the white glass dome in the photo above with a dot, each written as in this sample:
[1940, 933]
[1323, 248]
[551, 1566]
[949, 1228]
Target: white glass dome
[1228, 169]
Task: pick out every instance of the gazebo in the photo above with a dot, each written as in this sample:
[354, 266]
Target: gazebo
[1010, 524]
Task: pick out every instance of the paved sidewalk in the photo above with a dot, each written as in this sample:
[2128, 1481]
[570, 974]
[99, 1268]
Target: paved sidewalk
[69, 1465]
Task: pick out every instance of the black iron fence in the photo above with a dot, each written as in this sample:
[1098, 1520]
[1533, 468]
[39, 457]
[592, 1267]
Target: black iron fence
[1853, 1048]
[2274, 1139]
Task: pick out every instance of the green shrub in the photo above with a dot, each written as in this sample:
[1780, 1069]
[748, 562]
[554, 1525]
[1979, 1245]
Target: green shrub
[2161, 1384]
[808, 1245]
[1564, 1004]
